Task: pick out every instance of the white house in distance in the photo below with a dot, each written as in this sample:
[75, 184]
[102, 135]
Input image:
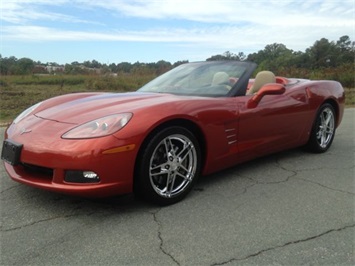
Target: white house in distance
[51, 69]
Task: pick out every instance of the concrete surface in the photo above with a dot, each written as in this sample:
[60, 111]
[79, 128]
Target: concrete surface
[291, 208]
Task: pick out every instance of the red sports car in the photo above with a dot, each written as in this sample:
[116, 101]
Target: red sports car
[194, 120]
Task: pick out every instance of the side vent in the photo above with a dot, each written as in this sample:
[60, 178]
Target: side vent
[231, 134]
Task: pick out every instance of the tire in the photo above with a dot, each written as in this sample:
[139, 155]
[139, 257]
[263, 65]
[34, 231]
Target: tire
[168, 166]
[323, 129]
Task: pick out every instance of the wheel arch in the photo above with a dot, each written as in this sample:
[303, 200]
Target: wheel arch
[185, 123]
[329, 92]
[335, 105]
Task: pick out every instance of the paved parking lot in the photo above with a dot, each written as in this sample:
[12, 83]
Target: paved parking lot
[290, 208]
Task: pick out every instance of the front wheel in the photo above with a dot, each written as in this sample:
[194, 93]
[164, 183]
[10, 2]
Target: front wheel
[168, 166]
[323, 129]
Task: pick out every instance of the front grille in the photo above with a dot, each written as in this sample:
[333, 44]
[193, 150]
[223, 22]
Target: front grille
[39, 170]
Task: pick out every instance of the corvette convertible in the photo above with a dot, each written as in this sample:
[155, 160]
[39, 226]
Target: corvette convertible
[194, 120]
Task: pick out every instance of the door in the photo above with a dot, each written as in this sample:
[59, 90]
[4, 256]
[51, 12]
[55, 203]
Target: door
[276, 123]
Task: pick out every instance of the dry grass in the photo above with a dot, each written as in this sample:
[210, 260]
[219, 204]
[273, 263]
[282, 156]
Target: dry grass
[350, 97]
[19, 92]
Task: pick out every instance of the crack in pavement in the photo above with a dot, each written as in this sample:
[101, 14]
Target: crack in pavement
[306, 180]
[322, 168]
[257, 182]
[28, 257]
[161, 245]
[294, 242]
[324, 186]
[9, 188]
[43, 220]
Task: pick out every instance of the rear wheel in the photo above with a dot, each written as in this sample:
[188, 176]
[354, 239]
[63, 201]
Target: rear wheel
[168, 166]
[323, 130]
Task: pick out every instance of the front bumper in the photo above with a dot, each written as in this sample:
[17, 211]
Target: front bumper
[46, 158]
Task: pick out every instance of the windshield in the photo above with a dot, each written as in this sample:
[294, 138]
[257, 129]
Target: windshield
[204, 78]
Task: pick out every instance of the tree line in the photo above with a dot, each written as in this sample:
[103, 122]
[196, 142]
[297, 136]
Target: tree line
[26, 66]
[323, 60]
[334, 60]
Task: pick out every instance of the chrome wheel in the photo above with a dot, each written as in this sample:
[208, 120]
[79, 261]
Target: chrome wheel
[323, 130]
[173, 165]
[168, 165]
[326, 127]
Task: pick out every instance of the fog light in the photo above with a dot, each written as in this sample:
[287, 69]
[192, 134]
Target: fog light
[89, 174]
[81, 177]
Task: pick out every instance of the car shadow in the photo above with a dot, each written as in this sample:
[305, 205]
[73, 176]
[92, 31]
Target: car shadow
[128, 203]
[247, 167]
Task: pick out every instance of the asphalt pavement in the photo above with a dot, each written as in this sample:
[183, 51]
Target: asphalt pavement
[291, 208]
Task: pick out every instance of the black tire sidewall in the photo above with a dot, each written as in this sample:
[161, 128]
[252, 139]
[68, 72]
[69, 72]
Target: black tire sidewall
[143, 186]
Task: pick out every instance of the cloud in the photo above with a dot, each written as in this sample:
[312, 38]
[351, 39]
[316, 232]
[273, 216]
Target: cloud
[224, 37]
[227, 24]
[25, 11]
[207, 11]
[231, 11]
[37, 33]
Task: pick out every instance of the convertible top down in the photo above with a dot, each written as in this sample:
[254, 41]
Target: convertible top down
[194, 120]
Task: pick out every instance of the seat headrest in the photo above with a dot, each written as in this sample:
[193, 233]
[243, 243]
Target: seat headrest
[220, 78]
[262, 78]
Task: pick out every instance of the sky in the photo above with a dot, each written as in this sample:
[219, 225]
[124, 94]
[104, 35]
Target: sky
[114, 31]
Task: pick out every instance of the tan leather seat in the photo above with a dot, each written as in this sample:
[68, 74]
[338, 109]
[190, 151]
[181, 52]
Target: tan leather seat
[262, 78]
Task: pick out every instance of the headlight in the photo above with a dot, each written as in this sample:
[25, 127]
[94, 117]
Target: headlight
[100, 127]
[26, 113]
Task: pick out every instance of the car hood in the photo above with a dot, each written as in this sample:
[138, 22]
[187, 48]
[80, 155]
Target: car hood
[83, 107]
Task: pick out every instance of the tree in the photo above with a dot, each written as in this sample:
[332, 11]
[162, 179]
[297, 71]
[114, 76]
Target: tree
[113, 68]
[344, 43]
[322, 54]
[227, 56]
[7, 65]
[274, 57]
[180, 63]
[23, 66]
[346, 52]
[162, 66]
[124, 67]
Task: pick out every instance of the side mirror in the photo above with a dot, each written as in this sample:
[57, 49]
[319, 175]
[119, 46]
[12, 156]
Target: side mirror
[268, 89]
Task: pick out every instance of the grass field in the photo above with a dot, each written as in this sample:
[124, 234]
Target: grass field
[19, 92]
